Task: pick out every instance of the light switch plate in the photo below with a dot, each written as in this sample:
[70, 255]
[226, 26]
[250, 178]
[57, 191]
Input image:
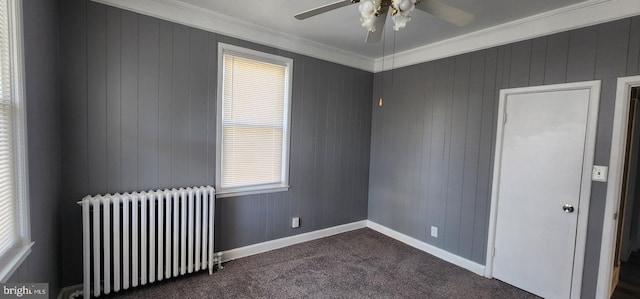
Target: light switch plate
[599, 173]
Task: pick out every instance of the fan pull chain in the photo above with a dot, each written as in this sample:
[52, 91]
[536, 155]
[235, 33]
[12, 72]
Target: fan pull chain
[382, 74]
[393, 57]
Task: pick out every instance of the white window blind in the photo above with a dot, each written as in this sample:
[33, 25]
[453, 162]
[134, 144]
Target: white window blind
[15, 241]
[254, 117]
[8, 233]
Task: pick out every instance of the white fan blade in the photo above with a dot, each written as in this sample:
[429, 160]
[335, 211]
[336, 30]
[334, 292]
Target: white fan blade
[324, 8]
[446, 12]
[374, 37]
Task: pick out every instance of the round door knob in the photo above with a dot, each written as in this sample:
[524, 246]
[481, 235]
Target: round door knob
[567, 208]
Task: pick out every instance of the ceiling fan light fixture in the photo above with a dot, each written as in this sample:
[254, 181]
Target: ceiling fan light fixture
[371, 9]
[404, 5]
[402, 13]
[400, 21]
[368, 10]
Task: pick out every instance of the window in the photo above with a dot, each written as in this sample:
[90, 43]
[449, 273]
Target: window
[15, 242]
[254, 99]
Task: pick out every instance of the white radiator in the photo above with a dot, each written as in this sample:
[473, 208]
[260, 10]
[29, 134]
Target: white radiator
[137, 238]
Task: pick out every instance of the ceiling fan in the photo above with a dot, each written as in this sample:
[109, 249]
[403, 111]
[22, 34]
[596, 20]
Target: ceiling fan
[374, 13]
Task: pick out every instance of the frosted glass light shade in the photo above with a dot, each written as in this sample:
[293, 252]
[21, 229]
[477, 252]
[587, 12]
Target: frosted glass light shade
[368, 13]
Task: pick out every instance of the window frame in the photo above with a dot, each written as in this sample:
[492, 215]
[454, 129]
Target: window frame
[14, 257]
[227, 49]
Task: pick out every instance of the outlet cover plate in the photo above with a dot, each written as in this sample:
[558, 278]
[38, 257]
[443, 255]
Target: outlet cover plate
[295, 222]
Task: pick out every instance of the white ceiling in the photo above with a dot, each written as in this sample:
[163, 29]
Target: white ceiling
[337, 36]
[341, 28]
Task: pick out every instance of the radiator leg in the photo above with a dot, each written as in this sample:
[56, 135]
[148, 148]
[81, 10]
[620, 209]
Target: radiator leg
[220, 261]
[86, 248]
[217, 259]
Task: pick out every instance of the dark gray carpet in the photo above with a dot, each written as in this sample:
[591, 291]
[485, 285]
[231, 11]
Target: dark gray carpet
[357, 264]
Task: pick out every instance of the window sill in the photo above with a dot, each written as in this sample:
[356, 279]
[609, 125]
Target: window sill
[15, 257]
[235, 192]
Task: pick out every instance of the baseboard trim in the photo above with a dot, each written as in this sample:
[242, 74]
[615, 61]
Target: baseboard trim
[430, 249]
[245, 251]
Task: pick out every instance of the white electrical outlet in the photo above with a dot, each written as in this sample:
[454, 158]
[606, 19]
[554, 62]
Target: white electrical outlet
[295, 222]
[434, 231]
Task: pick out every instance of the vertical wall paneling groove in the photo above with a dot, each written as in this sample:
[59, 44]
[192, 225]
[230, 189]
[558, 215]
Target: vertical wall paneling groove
[259, 208]
[345, 143]
[180, 106]
[374, 163]
[129, 101]
[431, 150]
[469, 204]
[556, 63]
[537, 61]
[198, 99]
[581, 55]
[307, 125]
[320, 107]
[427, 122]
[459, 118]
[138, 112]
[485, 156]
[96, 89]
[633, 56]
[457, 133]
[505, 57]
[148, 104]
[520, 63]
[349, 136]
[330, 130]
[73, 123]
[419, 106]
[113, 101]
[444, 97]
[366, 144]
[165, 103]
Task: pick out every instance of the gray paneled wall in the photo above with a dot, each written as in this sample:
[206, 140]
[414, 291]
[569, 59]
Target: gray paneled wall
[138, 113]
[432, 141]
[42, 97]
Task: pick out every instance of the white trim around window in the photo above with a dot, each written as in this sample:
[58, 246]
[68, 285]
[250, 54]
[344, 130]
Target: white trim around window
[238, 115]
[11, 259]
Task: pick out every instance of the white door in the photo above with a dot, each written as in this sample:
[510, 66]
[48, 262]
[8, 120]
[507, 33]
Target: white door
[540, 183]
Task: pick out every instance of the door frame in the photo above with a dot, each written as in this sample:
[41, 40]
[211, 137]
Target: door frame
[614, 187]
[587, 166]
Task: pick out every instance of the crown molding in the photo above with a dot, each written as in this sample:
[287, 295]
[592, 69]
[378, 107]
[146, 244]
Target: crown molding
[579, 15]
[575, 16]
[193, 16]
